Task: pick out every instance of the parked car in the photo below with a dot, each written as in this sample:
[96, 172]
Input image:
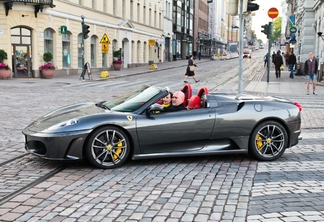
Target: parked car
[135, 125]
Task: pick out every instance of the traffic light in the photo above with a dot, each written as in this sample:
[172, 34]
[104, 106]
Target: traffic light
[85, 31]
[265, 30]
[249, 7]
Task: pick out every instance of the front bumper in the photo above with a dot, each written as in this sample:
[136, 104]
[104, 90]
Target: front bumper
[56, 146]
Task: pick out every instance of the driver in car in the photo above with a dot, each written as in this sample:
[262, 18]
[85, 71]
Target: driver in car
[177, 102]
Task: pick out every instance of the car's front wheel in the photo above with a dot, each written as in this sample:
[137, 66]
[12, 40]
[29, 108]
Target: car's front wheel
[268, 141]
[107, 147]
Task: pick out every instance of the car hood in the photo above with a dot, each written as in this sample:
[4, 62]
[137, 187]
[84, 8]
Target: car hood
[61, 118]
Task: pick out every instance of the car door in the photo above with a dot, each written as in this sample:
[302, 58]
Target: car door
[175, 131]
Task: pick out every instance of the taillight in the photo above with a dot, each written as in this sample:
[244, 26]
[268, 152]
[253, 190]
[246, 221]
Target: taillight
[298, 105]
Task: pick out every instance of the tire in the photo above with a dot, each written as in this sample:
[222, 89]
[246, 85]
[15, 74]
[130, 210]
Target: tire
[268, 141]
[107, 147]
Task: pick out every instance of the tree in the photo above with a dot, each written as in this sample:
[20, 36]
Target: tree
[276, 29]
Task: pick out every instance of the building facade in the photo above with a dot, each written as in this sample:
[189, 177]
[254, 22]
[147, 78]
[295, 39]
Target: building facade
[30, 28]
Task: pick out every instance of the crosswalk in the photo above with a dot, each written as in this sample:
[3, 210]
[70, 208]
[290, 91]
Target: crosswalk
[173, 85]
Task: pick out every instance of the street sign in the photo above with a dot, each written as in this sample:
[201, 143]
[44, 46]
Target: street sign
[105, 39]
[63, 29]
[293, 30]
[104, 48]
[273, 13]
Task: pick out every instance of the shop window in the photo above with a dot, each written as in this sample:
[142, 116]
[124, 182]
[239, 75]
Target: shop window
[48, 41]
[66, 57]
[80, 51]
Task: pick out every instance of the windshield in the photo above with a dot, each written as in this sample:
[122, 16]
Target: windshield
[132, 100]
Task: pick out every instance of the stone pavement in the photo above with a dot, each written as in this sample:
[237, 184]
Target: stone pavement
[208, 188]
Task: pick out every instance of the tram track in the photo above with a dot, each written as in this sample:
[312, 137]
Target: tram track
[23, 172]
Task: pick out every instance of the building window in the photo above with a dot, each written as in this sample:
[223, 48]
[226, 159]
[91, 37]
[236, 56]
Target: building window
[48, 41]
[80, 51]
[104, 6]
[114, 7]
[66, 58]
[144, 15]
[123, 8]
[155, 19]
[138, 51]
[145, 48]
[150, 17]
[138, 13]
[131, 10]
[93, 52]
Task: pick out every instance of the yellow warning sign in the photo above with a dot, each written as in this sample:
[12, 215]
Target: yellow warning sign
[104, 48]
[105, 39]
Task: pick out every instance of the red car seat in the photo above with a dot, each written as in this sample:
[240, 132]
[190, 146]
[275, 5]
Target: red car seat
[187, 90]
[194, 103]
[202, 95]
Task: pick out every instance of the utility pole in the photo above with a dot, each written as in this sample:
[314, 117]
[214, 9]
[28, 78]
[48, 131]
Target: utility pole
[82, 49]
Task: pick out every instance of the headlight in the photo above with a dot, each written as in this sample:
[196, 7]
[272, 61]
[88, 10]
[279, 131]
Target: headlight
[64, 124]
[69, 122]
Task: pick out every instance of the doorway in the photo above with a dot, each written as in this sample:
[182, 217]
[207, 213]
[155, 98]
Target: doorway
[21, 61]
[21, 40]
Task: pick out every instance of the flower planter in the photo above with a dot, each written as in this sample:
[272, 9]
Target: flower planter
[5, 73]
[117, 66]
[48, 73]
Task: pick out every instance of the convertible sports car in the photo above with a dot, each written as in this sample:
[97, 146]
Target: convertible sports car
[134, 125]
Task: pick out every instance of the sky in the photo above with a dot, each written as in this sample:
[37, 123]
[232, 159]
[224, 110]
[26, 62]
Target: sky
[261, 16]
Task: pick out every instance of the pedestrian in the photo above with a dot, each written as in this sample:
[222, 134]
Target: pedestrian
[194, 53]
[189, 71]
[287, 58]
[278, 61]
[291, 62]
[273, 56]
[199, 55]
[265, 58]
[310, 69]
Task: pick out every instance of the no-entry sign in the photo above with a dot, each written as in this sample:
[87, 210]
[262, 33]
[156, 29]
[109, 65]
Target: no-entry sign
[273, 13]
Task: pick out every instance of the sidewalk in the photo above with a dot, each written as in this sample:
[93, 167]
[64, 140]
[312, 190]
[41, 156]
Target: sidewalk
[146, 69]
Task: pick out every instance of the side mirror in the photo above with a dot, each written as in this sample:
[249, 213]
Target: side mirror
[154, 108]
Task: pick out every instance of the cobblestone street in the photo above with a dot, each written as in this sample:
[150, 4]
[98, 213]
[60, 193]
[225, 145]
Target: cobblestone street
[207, 188]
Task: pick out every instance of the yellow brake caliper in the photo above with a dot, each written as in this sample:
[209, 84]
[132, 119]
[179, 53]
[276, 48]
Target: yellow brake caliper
[259, 141]
[118, 150]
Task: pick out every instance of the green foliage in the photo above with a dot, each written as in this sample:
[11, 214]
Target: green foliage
[47, 56]
[3, 55]
[116, 54]
[276, 29]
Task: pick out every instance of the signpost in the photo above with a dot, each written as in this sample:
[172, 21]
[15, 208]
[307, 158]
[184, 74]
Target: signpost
[272, 13]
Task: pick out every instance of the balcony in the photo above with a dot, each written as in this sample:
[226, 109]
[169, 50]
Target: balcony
[38, 4]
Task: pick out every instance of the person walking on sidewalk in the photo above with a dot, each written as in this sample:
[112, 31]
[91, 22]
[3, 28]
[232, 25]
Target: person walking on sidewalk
[310, 70]
[273, 56]
[278, 61]
[291, 62]
[190, 70]
[265, 58]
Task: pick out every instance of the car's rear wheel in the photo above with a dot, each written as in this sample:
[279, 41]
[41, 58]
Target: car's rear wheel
[268, 141]
[107, 147]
